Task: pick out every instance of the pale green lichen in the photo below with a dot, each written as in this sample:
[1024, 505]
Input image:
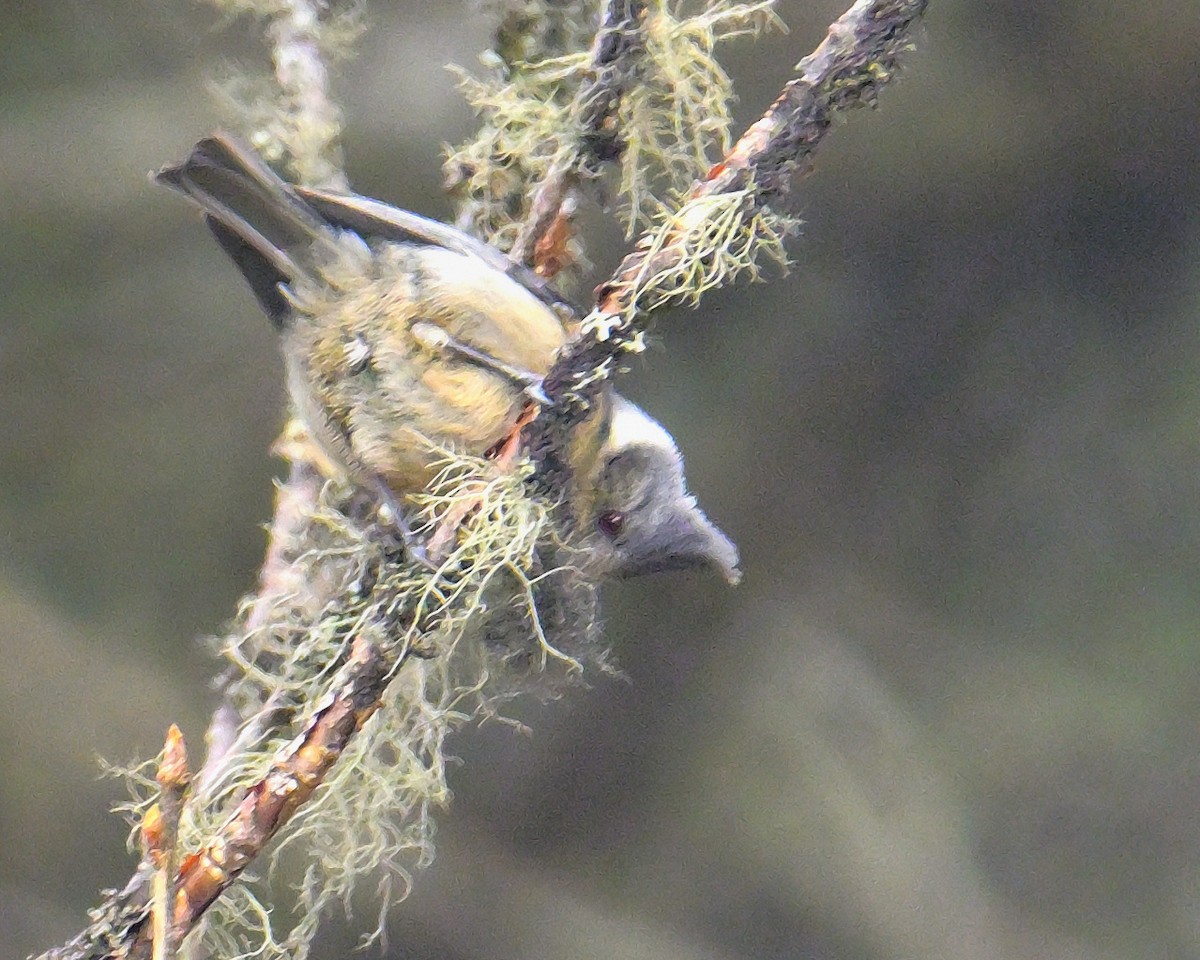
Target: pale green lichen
[524, 133]
[489, 622]
[676, 119]
[714, 239]
[673, 117]
[706, 242]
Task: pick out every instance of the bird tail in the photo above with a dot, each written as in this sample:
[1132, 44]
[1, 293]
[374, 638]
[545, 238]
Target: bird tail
[259, 220]
[269, 227]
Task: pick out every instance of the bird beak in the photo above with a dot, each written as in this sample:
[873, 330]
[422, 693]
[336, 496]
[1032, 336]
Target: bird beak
[713, 547]
[686, 540]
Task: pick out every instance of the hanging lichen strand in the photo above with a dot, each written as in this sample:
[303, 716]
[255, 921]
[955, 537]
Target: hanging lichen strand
[452, 644]
[672, 120]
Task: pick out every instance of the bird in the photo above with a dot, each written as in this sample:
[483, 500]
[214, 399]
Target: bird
[404, 337]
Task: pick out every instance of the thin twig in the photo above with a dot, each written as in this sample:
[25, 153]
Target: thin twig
[173, 780]
[229, 734]
[614, 59]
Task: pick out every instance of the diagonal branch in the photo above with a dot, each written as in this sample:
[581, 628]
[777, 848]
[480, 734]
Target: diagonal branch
[735, 203]
[297, 771]
[122, 927]
[857, 58]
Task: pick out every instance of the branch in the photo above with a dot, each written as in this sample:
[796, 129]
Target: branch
[297, 771]
[854, 62]
[312, 122]
[728, 218]
[615, 53]
[122, 927]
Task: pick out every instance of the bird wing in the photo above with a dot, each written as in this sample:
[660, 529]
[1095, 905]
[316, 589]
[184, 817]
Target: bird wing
[376, 219]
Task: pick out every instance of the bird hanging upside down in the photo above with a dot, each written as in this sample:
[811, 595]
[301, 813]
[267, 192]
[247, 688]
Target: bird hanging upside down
[404, 337]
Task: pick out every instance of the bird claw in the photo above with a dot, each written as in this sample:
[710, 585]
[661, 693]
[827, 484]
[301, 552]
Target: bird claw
[535, 392]
[414, 548]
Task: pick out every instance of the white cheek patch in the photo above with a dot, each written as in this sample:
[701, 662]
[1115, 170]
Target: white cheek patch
[632, 427]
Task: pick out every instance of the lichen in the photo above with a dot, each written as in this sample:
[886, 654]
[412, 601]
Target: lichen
[489, 620]
[673, 118]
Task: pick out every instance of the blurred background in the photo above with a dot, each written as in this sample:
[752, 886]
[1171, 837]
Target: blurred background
[954, 708]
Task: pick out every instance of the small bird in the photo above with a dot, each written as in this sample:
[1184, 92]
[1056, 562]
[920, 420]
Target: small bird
[404, 337]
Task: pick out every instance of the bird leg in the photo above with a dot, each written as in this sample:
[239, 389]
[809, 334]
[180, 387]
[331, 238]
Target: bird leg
[414, 548]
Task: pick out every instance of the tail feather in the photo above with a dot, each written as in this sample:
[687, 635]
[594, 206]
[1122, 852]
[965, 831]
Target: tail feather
[259, 221]
[269, 228]
[265, 272]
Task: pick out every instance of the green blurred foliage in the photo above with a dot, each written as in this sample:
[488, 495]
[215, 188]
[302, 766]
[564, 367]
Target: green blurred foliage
[953, 710]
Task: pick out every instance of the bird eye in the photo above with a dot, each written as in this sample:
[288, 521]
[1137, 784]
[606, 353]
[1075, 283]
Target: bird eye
[610, 523]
